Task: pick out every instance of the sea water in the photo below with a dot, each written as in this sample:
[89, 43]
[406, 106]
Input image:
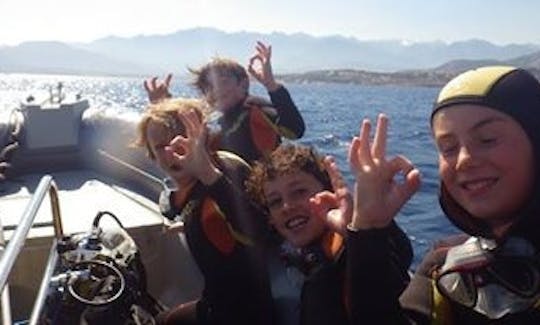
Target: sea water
[332, 113]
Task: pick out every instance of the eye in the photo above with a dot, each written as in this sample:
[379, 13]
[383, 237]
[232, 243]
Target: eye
[299, 192]
[447, 148]
[488, 140]
[273, 202]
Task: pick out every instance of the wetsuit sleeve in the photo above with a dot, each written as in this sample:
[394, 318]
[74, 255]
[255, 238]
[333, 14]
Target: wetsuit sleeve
[230, 195]
[377, 271]
[289, 120]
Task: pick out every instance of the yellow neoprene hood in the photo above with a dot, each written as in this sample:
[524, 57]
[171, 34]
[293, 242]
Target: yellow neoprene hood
[516, 93]
[471, 87]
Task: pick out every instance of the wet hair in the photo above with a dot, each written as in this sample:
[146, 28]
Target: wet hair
[165, 113]
[509, 90]
[221, 66]
[286, 160]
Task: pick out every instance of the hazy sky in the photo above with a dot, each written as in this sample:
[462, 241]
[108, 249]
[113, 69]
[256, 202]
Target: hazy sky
[498, 21]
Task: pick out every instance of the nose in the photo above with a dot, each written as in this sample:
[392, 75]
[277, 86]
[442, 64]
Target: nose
[287, 205]
[465, 158]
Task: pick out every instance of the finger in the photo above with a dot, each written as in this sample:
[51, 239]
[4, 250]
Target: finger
[364, 153]
[400, 164]
[178, 144]
[326, 200]
[188, 122]
[153, 83]
[352, 155]
[254, 58]
[411, 182]
[269, 56]
[336, 178]
[252, 62]
[261, 48]
[379, 141]
[146, 86]
[168, 80]
[336, 220]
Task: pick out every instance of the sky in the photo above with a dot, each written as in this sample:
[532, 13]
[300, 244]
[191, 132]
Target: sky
[498, 21]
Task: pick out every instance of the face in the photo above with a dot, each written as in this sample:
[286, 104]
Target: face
[485, 161]
[287, 198]
[159, 138]
[225, 91]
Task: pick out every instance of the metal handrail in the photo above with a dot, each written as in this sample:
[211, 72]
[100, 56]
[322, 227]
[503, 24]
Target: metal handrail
[6, 303]
[42, 293]
[16, 243]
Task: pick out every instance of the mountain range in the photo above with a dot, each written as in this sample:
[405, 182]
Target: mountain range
[293, 54]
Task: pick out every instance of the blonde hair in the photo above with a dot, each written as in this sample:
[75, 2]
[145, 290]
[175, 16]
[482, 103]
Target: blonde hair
[165, 113]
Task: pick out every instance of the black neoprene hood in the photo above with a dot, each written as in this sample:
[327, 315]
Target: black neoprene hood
[509, 90]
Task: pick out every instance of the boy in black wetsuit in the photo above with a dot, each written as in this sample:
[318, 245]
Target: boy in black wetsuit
[309, 205]
[251, 127]
[219, 224]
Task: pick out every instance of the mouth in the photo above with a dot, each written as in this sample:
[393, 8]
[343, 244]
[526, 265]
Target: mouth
[478, 186]
[296, 222]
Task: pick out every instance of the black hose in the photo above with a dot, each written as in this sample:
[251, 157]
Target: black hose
[97, 218]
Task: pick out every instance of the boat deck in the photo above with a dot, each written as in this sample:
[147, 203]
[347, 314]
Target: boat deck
[171, 273]
[82, 193]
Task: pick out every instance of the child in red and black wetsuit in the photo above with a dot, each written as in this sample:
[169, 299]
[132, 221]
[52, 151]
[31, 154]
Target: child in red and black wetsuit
[309, 205]
[251, 127]
[219, 225]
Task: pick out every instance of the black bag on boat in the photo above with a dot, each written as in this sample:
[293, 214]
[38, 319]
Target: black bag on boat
[99, 279]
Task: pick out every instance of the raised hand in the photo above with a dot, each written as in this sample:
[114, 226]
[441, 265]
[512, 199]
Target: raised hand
[263, 71]
[158, 90]
[190, 152]
[335, 207]
[378, 195]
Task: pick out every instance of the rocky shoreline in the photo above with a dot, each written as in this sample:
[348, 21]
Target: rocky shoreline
[416, 78]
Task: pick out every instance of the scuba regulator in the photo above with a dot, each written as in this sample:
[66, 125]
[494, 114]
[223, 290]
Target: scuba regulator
[99, 278]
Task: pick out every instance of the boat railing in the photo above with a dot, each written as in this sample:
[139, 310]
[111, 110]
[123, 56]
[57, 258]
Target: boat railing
[16, 244]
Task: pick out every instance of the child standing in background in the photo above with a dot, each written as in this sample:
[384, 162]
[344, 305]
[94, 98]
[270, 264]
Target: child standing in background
[251, 127]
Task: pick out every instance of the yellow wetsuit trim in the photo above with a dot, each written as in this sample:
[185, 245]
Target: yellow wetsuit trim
[476, 82]
[441, 313]
[238, 236]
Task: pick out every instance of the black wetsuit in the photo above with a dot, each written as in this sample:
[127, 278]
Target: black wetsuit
[221, 228]
[376, 300]
[327, 291]
[317, 273]
[248, 135]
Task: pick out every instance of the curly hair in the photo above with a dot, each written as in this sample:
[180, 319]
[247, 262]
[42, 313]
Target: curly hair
[166, 113]
[286, 160]
[221, 66]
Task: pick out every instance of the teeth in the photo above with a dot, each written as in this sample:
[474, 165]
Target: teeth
[296, 222]
[476, 185]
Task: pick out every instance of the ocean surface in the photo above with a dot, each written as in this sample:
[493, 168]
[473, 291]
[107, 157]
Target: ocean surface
[332, 112]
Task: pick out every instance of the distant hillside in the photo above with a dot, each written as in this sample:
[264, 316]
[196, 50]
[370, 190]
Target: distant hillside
[56, 57]
[297, 56]
[297, 52]
[409, 78]
[429, 77]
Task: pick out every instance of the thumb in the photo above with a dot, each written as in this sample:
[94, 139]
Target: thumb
[325, 200]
